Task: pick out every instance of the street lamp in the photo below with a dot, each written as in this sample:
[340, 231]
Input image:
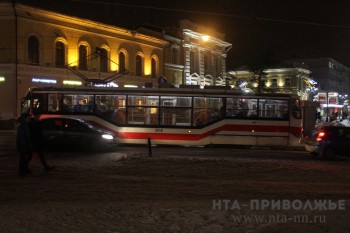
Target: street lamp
[205, 38]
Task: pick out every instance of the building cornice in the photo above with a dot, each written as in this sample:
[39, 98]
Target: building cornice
[198, 36]
[71, 22]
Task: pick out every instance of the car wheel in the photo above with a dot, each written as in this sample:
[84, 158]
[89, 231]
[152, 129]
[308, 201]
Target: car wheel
[329, 153]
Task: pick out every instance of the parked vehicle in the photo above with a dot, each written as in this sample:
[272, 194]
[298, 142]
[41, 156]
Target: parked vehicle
[76, 134]
[329, 141]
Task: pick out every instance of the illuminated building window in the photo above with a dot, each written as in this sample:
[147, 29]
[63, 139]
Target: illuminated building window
[122, 62]
[82, 57]
[154, 67]
[174, 55]
[103, 60]
[60, 54]
[217, 66]
[139, 66]
[287, 82]
[193, 62]
[206, 58]
[33, 50]
[274, 82]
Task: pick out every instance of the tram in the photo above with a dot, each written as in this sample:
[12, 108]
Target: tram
[176, 116]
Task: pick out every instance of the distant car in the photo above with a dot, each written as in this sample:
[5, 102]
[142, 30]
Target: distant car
[329, 141]
[76, 134]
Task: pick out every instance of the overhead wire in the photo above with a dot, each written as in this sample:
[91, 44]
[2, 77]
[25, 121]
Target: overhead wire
[261, 19]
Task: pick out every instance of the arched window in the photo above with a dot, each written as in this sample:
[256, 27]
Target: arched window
[153, 67]
[103, 60]
[122, 65]
[174, 55]
[82, 57]
[217, 66]
[139, 65]
[206, 58]
[33, 50]
[194, 62]
[60, 54]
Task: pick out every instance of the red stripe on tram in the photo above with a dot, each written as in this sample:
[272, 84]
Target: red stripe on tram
[296, 131]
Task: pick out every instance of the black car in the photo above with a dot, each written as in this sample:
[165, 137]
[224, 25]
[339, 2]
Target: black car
[75, 134]
[329, 141]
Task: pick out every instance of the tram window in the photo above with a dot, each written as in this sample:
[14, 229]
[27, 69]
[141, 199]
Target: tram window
[176, 116]
[67, 103]
[269, 108]
[143, 110]
[143, 101]
[175, 101]
[78, 103]
[143, 116]
[54, 102]
[37, 103]
[200, 102]
[175, 110]
[207, 110]
[25, 106]
[241, 108]
[111, 107]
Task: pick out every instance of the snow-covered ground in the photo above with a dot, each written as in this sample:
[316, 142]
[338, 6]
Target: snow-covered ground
[115, 193]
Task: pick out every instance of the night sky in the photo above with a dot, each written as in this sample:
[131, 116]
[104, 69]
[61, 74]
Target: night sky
[263, 32]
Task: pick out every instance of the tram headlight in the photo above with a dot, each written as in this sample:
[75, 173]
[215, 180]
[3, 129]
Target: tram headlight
[107, 136]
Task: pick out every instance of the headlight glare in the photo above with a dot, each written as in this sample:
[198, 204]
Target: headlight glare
[107, 136]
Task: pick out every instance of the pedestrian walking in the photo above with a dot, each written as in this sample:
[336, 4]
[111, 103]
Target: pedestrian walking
[24, 144]
[37, 138]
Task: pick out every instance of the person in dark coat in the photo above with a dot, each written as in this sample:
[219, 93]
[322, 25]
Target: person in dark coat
[38, 140]
[24, 144]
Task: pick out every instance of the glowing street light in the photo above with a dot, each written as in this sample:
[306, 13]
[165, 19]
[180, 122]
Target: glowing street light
[205, 38]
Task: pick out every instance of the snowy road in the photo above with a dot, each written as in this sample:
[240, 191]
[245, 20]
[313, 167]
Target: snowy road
[128, 191]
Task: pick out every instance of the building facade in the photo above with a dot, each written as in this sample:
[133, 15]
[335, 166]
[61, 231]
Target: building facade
[282, 80]
[333, 80]
[41, 48]
[196, 55]
[328, 73]
[204, 53]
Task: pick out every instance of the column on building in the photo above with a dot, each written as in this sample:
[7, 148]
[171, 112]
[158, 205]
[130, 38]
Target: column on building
[187, 64]
[201, 78]
[223, 66]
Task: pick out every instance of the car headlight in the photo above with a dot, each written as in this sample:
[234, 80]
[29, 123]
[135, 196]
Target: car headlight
[107, 136]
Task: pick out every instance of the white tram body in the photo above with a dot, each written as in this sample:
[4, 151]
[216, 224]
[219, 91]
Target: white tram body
[176, 116]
